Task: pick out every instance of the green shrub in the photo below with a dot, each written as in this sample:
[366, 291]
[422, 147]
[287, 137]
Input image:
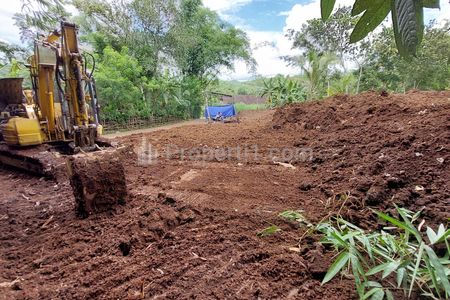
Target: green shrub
[397, 257]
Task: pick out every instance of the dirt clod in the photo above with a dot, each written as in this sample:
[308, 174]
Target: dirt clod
[98, 182]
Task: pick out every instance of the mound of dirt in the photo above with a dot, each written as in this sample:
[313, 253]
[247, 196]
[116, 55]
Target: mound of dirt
[190, 226]
[390, 149]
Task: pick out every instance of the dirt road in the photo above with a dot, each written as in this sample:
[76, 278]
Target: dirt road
[153, 129]
[201, 193]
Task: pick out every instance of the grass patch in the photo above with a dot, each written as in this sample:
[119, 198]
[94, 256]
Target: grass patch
[242, 106]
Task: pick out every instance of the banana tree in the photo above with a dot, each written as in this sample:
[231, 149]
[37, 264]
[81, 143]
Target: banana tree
[281, 91]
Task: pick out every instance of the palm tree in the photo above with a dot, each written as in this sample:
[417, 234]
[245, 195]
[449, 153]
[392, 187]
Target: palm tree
[315, 68]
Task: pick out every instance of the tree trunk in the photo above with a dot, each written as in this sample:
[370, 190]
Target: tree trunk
[359, 79]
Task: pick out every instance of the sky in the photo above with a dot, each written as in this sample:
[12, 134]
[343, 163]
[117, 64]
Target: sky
[266, 23]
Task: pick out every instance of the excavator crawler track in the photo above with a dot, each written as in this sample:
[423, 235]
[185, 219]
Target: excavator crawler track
[38, 160]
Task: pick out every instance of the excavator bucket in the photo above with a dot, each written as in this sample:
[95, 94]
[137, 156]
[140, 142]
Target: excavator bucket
[97, 178]
[98, 181]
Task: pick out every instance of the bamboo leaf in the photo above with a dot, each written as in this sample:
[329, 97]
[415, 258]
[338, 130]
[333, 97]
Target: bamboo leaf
[400, 276]
[416, 267]
[379, 295]
[377, 269]
[391, 267]
[339, 239]
[326, 7]
[408, 223]
[337, 266]
[432, 236]
[357, 268]
[389, 295]
[394, 221]
[375, 294]
[373, 284]
[269, 231]
[444, 237]
[439, 268]
[432, 274]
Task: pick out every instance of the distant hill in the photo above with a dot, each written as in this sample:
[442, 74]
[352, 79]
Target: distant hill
[239, 88]
[247, 99]
[234, 87]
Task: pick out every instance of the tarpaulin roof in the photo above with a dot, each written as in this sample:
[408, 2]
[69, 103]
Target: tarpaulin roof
[220, 111]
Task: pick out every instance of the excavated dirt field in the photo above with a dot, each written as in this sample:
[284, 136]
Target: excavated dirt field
[199, 194]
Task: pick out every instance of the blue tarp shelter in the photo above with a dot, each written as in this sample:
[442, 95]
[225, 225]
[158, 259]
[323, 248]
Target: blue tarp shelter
[220, 112]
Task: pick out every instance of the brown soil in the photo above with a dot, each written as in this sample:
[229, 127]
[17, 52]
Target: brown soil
[189, 228]
[98, 181]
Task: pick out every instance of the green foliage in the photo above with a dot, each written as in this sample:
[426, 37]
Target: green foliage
[125, 92]
[120, 84]
[209, 44]
[174, 51]
[316, 68]
[271, 230]
[281, 91]
[429, 70]
[397, 257]
[407, 18]
[330, 36]
[179, 97]
[161, 34]
[9, 52]
[14, 70]
[296, 216]
[234, 87]
[343, 84]
[39, 16]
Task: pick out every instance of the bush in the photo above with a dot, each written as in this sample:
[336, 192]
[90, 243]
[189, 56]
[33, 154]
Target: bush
[119, 83]
[125, 92]
[397, 257]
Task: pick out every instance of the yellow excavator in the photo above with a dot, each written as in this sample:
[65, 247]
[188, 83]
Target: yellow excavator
[62, 106]
[59, 116]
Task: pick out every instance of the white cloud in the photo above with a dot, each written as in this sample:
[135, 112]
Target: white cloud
[301, 13]
[222, 6]
[442, 15]
[8, 31]
[268, 57]
[268, 47]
